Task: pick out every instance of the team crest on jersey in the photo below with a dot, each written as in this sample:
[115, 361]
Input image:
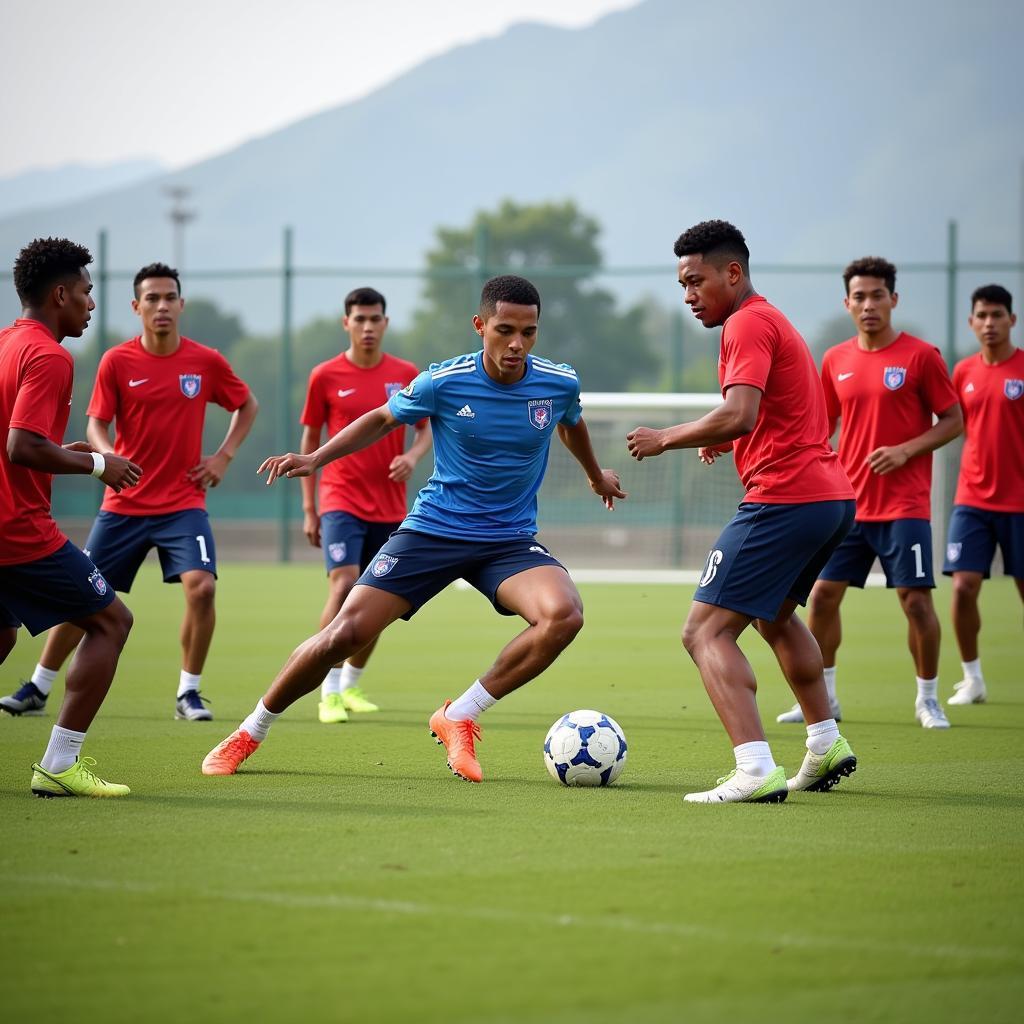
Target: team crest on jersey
[539, 410]
[894, 377]
[337, 551]
[1013, 389]
[953, 552]
[383, 564]
[99, 584]
[190, 384]
[393, 388]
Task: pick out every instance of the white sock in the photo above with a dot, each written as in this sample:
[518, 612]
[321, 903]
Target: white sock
[350, 675]
[258, 724]
[754, 758]
[471, 704]
[331, 683]
[821, 736]
[63, 749]
[187, 682]
[927, 689]
[42, 679]
[830, 683]
[972, 670]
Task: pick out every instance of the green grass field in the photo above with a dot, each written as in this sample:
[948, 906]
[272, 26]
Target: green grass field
[345, 875]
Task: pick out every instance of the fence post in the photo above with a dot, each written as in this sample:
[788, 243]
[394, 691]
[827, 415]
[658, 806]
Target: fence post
[483, 256]
[284, 423]
[101, 293]
[951, 272]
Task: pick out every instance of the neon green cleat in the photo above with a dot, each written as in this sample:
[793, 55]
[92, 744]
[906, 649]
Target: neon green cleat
[820, 772]
[332, 709]
[740, 788]
[78, 780]
[355, 701]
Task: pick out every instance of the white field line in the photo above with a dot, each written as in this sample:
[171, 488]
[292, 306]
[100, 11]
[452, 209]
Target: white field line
[608, 922]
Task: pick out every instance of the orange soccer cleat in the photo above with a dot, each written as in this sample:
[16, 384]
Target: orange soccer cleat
[458, 739]
[225, 758]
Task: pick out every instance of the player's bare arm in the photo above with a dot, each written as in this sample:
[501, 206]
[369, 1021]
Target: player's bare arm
[97, 433]
[402, 465]
[210, 469]
[25, 448]
[310, 517]
[735, 417]
[603, 482]
[360, 433]
[949, 424]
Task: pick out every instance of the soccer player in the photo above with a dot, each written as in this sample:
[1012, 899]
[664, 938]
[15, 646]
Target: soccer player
[156, 388]
[362, 497]
[798, 506]
[493, 414]
[44, 578]
[989, 505]
[885, 386]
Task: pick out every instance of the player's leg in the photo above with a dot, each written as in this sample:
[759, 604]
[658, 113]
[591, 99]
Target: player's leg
[340, 581]
[8, 638]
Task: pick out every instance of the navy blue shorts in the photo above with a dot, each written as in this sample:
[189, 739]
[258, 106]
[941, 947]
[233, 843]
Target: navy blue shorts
[349, 540]
[119, 544]
[63, 587]
[902, 546]
[418, 567]
[973, 536]
[769, 554]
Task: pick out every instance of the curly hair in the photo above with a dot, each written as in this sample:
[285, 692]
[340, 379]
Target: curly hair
[507, 288]
[155, 270]
[994, 293]
[717, 241]
[871, 266]
[44, 263]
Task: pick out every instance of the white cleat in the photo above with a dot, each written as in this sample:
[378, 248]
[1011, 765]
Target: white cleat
[738, 787]
[795, 716]
[930, 714]
[969, 691]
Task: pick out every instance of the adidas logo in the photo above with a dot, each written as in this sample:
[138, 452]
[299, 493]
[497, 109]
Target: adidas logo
[467, 412]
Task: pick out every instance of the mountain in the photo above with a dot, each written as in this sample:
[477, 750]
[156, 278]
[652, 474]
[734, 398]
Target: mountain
[823, 132]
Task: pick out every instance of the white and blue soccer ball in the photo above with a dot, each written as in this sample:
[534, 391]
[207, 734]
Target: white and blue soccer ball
[585, 748]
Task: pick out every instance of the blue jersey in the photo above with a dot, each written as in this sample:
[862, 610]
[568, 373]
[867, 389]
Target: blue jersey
[491, 444]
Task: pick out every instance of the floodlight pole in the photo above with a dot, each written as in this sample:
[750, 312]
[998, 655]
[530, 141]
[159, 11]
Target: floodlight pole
[179, 216]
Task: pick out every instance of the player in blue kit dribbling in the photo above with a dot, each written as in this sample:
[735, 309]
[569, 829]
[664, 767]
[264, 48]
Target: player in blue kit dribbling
[493, 414]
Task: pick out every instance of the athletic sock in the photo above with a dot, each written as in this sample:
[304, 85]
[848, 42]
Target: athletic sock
[927, 689]
[830, 683]
[471, 704]
[972, 670]
[42, 679]
[821, 736]
[63, 749]
[258, 724]
[754, 758]
[187, 682]
[350, 676]
[331, 683]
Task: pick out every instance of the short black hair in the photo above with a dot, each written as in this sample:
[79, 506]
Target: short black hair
[365, 297]
[871, 266]
[155, 270]
[994, 293]
[507, 288]
[717, 241]
[46, 262]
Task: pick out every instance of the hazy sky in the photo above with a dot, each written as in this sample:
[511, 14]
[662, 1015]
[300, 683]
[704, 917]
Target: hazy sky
[178, 82]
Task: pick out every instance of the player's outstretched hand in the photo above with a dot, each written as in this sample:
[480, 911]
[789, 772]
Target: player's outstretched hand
[311, 528]
[401, 468]
[210, 470]
[644, 442]
[608, 488]
[79, 446]
[711, 452]
[287, 465]
[120, 472]
[885, 460]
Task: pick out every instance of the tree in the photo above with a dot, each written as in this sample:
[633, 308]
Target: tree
[203, 321]
[579, 321]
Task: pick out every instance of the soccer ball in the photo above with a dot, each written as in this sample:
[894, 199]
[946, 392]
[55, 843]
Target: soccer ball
[585, 748]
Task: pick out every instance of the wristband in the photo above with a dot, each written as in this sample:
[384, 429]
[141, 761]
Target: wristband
[99, 464]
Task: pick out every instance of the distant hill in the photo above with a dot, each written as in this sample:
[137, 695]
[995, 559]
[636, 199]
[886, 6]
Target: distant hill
[824, 137]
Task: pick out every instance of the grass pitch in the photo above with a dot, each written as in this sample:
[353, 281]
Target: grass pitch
[345, 875]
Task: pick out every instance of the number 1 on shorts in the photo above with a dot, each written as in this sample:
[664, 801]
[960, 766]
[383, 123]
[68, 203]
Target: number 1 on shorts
[918, 562]
[205, 558]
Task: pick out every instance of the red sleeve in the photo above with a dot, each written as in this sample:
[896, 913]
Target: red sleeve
[103, 403]
[231, 391]
[748, 344]
[938, 389]
[44, 386]
[314, 412]
[958, 378]
[832, 407]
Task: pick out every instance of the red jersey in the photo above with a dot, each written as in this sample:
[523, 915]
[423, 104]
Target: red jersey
[340, 392]
[36, 375]
[992, 397]
[158, 404]
[883, 398]
[786, 459]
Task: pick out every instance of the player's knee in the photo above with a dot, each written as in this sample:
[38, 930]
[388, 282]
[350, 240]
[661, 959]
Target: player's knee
[691, 637]
[917, 605]
[341, 638]
[202, 592]
[563, 624]
[966, 588]
[822, 603]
